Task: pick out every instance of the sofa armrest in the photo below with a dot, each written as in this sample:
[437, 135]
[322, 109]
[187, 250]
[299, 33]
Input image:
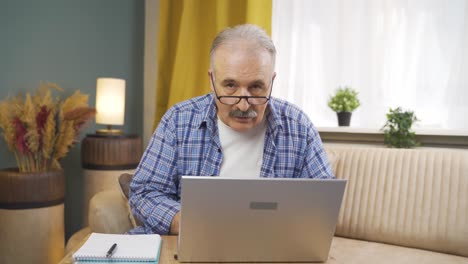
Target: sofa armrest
[109, 213]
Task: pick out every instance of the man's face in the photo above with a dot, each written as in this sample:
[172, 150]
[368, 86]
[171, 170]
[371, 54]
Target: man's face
[241, 70]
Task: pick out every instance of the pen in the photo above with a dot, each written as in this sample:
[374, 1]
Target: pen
[111, 250]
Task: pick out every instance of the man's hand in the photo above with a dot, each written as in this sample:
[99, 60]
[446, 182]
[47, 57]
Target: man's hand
[175, 225]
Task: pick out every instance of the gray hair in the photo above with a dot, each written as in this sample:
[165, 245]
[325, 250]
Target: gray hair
[249, 32]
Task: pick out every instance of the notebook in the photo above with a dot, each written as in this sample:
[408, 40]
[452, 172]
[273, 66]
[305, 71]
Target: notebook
[257, 220]
[130, 248]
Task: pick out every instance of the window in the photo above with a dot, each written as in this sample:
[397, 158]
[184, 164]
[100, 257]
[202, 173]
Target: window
[412, 54]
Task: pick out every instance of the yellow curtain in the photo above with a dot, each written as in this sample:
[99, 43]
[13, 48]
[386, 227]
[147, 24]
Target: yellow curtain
[186, 30]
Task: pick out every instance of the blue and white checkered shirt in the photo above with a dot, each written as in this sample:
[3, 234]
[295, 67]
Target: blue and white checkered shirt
[186, 142]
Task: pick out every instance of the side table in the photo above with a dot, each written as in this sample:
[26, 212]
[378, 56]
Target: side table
[104, 158]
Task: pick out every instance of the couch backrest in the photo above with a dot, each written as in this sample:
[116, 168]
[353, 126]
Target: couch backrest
[416, 198]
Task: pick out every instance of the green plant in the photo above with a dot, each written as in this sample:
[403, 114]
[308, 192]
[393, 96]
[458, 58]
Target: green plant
[344, 100]
[397, 130]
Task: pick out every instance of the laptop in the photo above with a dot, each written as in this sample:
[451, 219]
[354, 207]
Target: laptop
[257, 220]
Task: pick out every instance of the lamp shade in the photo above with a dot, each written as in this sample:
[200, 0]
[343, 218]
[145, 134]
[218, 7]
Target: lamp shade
[110, 101]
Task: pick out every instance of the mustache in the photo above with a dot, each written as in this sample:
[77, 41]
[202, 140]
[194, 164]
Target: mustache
[250, 113]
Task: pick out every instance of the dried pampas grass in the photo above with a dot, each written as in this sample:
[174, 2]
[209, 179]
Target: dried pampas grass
[40, 129]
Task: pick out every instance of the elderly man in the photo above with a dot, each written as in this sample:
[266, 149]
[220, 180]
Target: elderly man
[237, 130]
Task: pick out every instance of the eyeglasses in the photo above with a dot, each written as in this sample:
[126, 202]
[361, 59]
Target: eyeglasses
[233, 100]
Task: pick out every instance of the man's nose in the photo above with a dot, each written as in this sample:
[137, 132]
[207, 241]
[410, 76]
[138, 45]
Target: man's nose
[243, 105]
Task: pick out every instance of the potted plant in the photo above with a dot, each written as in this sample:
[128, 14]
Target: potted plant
[344, 102]
[397, 129]
[39, 129]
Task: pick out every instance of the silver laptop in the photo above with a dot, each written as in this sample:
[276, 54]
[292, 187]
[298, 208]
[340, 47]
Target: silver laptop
[257, 220]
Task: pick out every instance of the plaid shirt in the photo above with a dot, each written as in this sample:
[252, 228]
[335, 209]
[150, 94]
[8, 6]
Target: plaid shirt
[186, 142]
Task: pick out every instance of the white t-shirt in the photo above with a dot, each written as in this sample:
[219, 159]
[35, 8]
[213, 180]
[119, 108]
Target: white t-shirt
[242, 151]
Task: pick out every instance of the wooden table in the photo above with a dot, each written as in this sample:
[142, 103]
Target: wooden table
[343, 251]
[168, 250]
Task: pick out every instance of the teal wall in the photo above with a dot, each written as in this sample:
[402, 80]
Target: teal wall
[72, 43]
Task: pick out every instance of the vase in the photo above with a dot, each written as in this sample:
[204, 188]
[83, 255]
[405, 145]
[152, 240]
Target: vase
[32, 216]
[344, 118]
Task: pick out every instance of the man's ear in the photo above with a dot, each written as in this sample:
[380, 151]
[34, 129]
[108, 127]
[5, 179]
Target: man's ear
[210, 73]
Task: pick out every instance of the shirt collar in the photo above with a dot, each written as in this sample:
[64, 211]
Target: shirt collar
[209, 119]
[273, 119]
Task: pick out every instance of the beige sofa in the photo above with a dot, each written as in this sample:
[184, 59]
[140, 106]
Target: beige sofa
[400, 206]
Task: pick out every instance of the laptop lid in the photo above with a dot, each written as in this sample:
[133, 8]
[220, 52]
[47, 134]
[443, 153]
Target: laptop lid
[257, 220]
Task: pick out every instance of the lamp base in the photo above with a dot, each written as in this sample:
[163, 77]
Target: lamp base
[109, 132]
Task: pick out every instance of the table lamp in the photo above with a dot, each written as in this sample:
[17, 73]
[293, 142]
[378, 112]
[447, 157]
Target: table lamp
[110, 104]
[108, 153]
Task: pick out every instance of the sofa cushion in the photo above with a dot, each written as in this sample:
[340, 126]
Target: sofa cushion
[333, 159]
[408, 197]
[352, 251]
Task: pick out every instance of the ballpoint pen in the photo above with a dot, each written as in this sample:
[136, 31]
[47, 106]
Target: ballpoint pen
[111, 250]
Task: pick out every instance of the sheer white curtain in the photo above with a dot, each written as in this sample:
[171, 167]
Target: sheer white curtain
[412, 54]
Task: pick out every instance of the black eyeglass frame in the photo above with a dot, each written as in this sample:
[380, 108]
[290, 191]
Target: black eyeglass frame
[241, 97]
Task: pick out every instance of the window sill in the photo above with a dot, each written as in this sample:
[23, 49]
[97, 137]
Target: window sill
[427, 137]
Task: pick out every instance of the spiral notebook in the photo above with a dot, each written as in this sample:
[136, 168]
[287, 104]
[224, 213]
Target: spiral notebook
[130, 248]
